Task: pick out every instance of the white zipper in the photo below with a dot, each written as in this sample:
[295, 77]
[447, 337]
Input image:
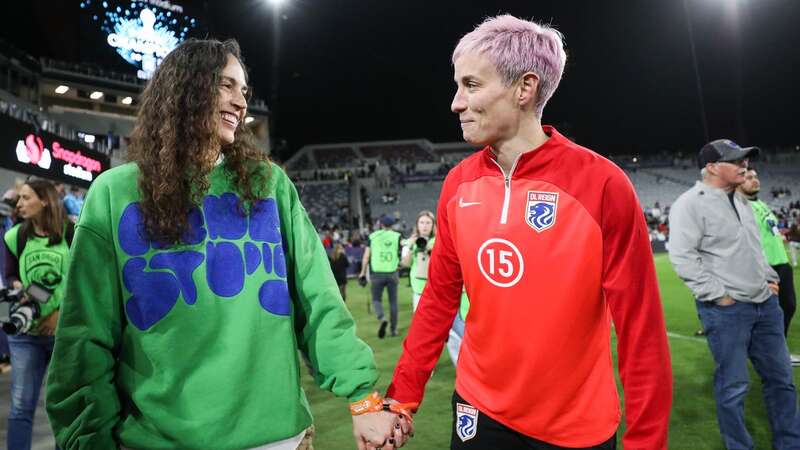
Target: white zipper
[507, 183]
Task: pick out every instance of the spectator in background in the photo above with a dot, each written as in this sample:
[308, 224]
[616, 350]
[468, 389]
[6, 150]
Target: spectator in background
[8, 218]
[656, 212]
[10, 199]
[37, 253]
[73, 202]
[356, 251]
[772, 243]
[715, 248]
[339, 264]
[60, 189]
[327, 240]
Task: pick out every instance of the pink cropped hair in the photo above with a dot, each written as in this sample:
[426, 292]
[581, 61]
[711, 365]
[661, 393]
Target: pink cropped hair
[516, 46]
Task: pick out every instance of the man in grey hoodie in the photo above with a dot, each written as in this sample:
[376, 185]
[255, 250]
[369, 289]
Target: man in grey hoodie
[715, 248]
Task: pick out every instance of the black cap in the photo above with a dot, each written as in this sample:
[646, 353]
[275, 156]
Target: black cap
[387, 221]
[724, 150]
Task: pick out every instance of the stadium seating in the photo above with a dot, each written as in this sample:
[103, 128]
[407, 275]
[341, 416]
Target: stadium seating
[412, 199]
[659, 180]
[327, 202]
[410, 152]
[666, 184]
[335, 157]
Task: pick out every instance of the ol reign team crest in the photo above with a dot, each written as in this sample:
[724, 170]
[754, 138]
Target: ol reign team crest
[466, 421]
[540, 210]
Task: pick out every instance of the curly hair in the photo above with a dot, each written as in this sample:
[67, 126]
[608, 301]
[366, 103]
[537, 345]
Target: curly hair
[175, 142]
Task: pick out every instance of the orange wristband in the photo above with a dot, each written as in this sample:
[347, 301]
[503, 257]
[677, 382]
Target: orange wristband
[372, 403]
[403, 409]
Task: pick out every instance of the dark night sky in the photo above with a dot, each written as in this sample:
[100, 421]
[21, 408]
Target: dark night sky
[356, 70]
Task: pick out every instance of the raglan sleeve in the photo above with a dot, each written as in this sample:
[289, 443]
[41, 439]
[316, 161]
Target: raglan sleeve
[82, 401]
[631, 290]
[326, 332]
[437, 308]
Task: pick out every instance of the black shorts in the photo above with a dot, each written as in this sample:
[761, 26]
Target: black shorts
[489, 434]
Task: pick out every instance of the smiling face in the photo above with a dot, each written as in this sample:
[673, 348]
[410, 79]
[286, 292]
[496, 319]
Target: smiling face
[487, 109]
[232, 100]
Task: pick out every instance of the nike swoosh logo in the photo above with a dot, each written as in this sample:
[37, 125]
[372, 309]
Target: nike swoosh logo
[463, 204]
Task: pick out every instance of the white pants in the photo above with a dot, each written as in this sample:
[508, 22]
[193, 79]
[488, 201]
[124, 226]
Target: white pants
[793, 248]
[415, 301]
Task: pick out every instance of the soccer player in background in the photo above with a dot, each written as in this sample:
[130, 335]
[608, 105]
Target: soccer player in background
[550, 242]
[196, 277]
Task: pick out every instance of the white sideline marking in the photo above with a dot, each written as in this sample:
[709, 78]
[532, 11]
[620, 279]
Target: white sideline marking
[687, 338]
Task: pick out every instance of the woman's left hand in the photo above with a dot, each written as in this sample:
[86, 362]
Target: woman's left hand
[47, 327]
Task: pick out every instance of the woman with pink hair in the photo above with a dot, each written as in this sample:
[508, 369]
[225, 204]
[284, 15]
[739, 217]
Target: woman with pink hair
[550, 243]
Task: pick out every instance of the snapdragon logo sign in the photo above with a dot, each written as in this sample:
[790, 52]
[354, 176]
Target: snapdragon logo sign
[236, 247]
[142, 32]
[31, 150]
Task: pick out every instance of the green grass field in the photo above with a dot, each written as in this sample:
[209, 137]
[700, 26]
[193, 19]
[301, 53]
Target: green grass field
[693, 424]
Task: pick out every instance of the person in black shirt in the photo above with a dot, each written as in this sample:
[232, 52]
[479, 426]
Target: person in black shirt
[339, 264]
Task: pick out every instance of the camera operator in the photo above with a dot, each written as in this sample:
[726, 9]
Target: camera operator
[417, 252]
[37, 252]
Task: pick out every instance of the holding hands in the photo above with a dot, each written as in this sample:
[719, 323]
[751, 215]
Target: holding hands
[380, 424]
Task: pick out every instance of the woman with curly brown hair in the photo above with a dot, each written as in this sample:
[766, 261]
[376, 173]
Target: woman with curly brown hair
[196, 276]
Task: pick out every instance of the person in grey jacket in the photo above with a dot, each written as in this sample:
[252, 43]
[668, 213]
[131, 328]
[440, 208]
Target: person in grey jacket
[715, 248]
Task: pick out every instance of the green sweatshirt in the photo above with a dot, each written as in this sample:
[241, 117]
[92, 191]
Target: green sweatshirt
[195, 346]
[771, 238]
[43, 264]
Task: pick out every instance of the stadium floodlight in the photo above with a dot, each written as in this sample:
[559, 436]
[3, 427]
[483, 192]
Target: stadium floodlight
[62, 89]
[88, 138]
[277, 2]
[127, 100]
[96, 95]
[249, 119]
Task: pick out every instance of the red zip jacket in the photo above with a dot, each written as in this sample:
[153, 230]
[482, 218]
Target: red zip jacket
[546, 253]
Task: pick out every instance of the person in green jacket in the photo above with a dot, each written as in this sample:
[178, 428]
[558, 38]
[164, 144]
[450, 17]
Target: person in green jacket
[772, 243]
[37, 254]
[195, 277]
